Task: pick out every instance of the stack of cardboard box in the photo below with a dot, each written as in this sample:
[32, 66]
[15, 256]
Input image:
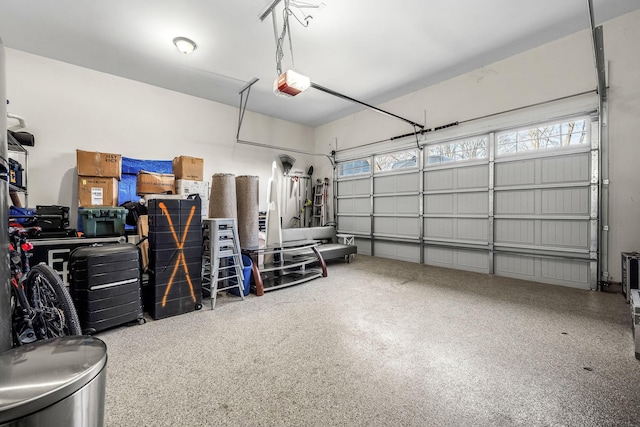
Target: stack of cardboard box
[98, 176]
[189, 173]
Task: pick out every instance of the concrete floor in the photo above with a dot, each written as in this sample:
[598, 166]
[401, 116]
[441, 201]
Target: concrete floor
[383, 342]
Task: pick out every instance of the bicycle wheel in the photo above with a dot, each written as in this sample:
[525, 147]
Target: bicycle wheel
[55, 314]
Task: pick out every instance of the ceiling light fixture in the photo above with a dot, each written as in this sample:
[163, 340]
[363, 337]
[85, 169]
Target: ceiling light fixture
[185, 45]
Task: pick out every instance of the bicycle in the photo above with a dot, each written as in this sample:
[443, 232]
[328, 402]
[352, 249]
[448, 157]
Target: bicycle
[41, 306]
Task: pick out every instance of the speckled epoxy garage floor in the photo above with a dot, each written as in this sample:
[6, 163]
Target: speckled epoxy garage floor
[383, 342]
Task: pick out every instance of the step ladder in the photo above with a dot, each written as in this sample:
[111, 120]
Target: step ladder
[223, 259]
[319, 215]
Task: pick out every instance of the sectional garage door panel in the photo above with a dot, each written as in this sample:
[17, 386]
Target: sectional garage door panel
[399, 251]
[565, 169]
[439, 180]
[407, 228]
[543, 234]
[565, 201]
[354, 205]
[566, 272]
[442, 204]
[522, 202]
[515, 173]
[458, 178]
[355, 224]
[399, 183]
[469, 230]
[399, 205]
[456, 212]
[512, 265]
[515, 231]
[476, 203]
[461, 259]
[554, 201]
[565, 234]
[364, 246]
[472, 203]
[354, 187]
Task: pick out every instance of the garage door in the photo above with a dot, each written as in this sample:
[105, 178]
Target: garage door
[519, 203]
[353, 202]
[456, 205]
[545, 212]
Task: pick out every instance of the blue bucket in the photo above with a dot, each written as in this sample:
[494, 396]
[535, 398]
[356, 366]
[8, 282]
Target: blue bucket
[246, 272]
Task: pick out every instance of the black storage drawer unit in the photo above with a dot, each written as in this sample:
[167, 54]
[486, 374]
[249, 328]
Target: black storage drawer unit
[175, 257]
[52, 218]
[104, 282]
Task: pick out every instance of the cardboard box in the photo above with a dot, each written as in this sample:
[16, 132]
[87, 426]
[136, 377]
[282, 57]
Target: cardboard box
[189, 186]
[97, 191]
[93, 163]
[155, 183]
[185, 167]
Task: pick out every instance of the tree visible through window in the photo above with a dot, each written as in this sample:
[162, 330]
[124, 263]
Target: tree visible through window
[394, 161]
[456, 151]
[555, 135]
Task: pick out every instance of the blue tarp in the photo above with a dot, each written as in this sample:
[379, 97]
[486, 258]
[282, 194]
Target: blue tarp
[130, 168]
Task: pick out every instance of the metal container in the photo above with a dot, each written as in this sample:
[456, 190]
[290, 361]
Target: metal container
[57, 382]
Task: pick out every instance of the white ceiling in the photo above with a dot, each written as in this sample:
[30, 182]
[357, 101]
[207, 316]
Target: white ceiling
[370, 50]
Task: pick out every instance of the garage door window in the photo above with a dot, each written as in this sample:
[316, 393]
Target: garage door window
[396, 161]
[466, 149]
[354, 167]
[545, 137]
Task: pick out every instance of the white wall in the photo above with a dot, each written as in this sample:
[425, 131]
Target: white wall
[69, 107]
[561, 68]
[621, 38]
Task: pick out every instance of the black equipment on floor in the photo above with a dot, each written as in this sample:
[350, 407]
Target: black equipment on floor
[630, 272]
[104, 282]
[175, 257]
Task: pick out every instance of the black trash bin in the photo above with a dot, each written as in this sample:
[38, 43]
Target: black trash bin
[57, 382]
